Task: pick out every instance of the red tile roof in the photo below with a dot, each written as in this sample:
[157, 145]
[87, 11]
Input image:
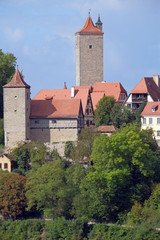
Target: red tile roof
[80, 93]
[55, 108]
[148, 109]
[145, 86]
[109, 89]
[17, 81]
[90, 28]
[96, 96]
[106, 129]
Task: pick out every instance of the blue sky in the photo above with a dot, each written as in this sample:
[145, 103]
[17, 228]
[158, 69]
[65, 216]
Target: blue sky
[40, 33]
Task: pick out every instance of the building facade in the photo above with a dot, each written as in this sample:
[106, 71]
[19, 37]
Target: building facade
[147, 89]
[151, 119]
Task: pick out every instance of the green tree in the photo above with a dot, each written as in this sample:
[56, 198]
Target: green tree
[7, 69]
[47, 189]
[84, 143]
[120, 114]
[68, 150]
[12, 194]
[21, 159]
[103, 109]
[123, 171]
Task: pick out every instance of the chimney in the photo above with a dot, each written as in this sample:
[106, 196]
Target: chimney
[72, 92]
[156, 80]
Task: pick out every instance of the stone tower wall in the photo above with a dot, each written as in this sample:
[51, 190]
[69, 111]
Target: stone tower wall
[89, 59]
[16, 115]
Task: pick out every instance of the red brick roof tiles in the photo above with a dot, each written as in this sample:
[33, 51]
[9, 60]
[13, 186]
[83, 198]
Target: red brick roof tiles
[55, 108]
[96, 96]
[79, 93]
[17, 81]
[148, 109]
[89, 27]
[145, 86]
[109, 89]
[106, 129]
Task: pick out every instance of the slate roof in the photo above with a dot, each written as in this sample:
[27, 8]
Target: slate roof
[147, 86]
[148, 109]
[89, 27]
[17, 81]
[53, 108]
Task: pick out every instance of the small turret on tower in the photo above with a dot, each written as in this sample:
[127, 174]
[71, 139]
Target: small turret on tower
[99, 23]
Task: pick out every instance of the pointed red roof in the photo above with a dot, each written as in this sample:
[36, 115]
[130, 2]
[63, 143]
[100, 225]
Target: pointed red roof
[89, 27]
[147, 85]
[17, 81]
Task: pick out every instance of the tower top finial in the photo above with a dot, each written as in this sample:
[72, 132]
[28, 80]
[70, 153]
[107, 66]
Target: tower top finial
[89, 12]
[17, 66]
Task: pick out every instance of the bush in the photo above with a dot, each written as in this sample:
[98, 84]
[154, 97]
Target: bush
[99, 232]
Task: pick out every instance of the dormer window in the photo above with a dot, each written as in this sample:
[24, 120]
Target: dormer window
[154, 108]
[90, 46]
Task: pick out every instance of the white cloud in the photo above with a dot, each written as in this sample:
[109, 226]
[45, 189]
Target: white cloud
[14, 35]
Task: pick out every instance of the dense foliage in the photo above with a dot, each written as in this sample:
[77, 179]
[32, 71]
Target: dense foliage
[12, 194]
[121, 184]
[7, 69]
[108, 112]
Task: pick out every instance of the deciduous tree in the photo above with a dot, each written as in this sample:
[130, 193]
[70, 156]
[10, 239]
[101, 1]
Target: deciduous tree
[7, 69]
[12, 194]
[123, 171]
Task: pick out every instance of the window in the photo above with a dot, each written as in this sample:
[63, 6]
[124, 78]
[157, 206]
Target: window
[0, 165]
[53, 121]
[129, 105]
[15, 97]
[36, 121]
[144, 120]
[6, 166]
[150, 120]
[158, 120]
[90, 46]
[158, 133]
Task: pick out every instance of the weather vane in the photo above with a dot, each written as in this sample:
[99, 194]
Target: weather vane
[89, 12]
[17, 66]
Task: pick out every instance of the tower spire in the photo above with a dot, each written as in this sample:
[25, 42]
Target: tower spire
[99, 23]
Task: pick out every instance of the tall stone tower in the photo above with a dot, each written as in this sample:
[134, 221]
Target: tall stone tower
[16, 98]
[89, 53]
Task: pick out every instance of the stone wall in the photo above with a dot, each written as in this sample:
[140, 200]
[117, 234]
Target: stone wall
[16, 115]
[89, 59]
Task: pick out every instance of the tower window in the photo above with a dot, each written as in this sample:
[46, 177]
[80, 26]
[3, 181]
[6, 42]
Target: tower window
[15, 97]
[15, 110]
[90, 46]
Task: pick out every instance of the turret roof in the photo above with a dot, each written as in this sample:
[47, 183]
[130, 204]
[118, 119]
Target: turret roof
[17, 81]
[89, 27]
